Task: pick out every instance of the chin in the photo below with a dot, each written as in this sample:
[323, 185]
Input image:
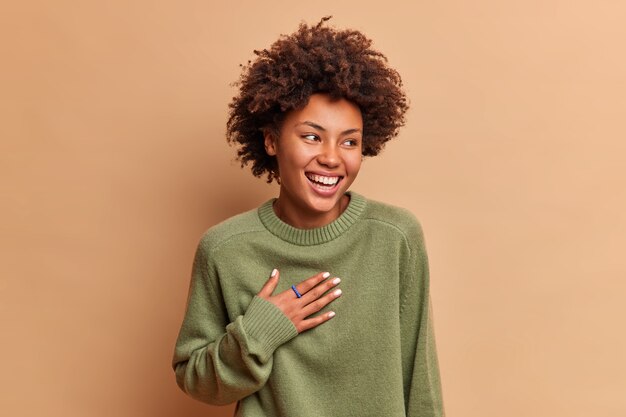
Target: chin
[326, 204]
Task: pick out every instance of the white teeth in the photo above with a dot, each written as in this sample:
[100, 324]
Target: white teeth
[323, 180]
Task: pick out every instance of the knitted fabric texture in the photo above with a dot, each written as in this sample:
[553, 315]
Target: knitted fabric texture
[376, 357]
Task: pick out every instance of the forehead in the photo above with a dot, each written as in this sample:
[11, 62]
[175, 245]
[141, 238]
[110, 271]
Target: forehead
[327, 112]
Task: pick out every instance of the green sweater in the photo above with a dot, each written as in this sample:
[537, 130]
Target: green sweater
[376, 357]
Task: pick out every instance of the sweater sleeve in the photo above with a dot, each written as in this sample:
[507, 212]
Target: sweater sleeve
[219, 362]
[422, 385]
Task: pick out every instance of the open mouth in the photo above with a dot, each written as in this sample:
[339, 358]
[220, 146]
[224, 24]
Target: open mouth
[323, 182]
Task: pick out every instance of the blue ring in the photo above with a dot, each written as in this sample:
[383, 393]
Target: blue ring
[293, 287]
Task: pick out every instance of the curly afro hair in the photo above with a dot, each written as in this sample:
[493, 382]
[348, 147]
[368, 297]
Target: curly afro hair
[314, 59]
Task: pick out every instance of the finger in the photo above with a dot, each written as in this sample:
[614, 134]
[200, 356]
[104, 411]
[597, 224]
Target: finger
[320, 290]
[270, 284]
[311, 282]
[320, 303]
[307, 324]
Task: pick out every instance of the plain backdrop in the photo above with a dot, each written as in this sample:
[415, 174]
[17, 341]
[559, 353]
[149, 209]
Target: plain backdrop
[113, 162]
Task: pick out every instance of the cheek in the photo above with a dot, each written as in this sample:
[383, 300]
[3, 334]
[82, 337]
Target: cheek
[297, 158]
[290, 159]
[353, 164]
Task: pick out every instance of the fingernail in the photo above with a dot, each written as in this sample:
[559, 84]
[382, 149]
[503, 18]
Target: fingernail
[331, 314]
[337, 293]
[336, 281]
[326, 274]
[274, 271]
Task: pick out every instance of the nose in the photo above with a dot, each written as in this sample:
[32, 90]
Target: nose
[329, 155]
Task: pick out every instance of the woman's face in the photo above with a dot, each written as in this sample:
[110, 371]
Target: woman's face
[319, 156]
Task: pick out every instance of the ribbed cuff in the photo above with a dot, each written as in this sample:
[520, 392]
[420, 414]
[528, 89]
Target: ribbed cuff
[267, 325]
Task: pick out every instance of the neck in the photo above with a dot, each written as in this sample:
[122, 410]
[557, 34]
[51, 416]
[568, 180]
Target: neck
[301, 219]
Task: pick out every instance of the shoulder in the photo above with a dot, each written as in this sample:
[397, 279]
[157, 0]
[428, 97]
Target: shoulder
[395, 218]
[234, 228]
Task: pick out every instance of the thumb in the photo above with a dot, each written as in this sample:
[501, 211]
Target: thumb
[270, 285]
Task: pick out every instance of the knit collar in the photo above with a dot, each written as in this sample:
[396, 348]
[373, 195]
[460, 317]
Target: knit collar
[308, 237]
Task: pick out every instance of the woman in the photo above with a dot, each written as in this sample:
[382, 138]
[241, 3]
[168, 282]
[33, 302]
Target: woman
[308, 110]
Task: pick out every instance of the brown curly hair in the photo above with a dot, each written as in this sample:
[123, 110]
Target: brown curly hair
[314, 59]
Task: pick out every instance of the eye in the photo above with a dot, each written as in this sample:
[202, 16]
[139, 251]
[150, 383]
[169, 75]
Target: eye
[310, 137]
[351, 142]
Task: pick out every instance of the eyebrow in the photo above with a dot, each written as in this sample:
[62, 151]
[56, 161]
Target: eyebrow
[318, 127]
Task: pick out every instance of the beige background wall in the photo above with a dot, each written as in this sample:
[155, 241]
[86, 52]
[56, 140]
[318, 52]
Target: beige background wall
[113, 162]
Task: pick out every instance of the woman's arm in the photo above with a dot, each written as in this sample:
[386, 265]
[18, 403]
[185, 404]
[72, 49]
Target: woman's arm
[422, 385]
[219, 362]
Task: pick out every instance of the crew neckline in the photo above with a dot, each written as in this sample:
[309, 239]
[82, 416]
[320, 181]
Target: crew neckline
[315, 236]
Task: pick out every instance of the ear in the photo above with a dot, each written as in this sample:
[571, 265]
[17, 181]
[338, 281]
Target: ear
[270, 142]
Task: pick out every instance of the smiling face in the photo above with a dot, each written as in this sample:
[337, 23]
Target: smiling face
[319, 156]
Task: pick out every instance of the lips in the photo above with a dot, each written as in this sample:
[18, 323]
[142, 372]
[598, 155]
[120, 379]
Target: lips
[323, 184]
